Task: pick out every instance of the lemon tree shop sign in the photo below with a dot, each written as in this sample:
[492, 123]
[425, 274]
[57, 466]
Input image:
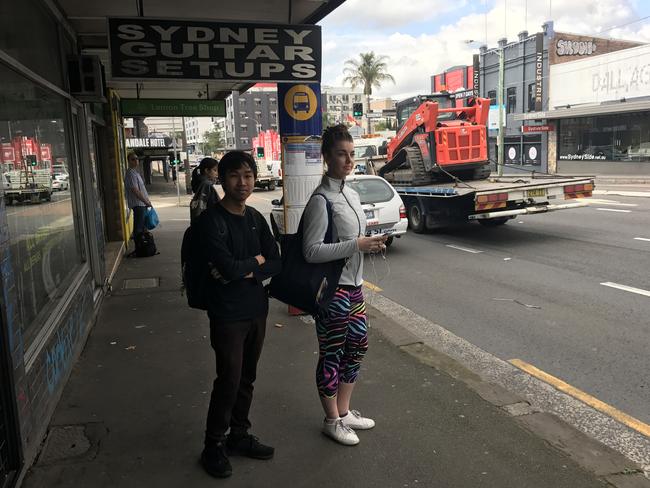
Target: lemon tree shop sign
[143, 48]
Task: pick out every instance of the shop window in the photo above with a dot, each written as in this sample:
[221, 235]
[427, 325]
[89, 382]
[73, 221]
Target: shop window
[43, 238]
[30, 34]
[511, 100]
[619, 137]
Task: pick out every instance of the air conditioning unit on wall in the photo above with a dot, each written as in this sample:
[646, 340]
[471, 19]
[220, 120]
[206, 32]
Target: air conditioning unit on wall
[87, 80]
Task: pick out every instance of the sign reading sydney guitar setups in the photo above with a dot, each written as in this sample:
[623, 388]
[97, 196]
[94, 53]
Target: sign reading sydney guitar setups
[143, 48]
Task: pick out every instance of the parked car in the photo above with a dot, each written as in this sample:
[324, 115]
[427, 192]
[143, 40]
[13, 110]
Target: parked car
[385, 212]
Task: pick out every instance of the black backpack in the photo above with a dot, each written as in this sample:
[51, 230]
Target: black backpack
[145, 245]
[196, 272]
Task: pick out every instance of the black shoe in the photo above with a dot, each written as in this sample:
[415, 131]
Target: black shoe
[215, 461]
[248, 445]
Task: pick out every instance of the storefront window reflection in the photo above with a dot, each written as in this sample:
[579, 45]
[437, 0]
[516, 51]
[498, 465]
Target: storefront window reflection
[620, 137]
[35, 160]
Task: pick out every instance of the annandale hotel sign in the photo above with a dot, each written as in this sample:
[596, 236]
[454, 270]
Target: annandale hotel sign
[143, 48]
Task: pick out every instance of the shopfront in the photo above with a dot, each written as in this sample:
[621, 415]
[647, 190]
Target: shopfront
[600, 109]
[52, 224]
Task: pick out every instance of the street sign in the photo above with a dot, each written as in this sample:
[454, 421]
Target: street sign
[299, 106]
[150, 107]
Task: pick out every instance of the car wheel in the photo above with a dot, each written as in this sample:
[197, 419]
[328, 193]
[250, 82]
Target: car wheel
[271, 186]
[389, 241]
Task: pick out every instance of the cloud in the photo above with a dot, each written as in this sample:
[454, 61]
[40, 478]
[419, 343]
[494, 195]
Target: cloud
[390, 13]
[413, 58]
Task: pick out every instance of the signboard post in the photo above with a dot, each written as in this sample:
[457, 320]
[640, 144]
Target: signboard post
[302, 166]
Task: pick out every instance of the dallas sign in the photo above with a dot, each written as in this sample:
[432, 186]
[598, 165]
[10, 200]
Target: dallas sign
[198, 50]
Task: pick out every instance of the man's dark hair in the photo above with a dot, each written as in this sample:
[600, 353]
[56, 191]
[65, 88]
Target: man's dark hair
[331, 135]
[233, 160]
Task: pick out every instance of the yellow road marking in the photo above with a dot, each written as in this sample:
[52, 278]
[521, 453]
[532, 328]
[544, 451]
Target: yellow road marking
[557, 383]
[372, 287]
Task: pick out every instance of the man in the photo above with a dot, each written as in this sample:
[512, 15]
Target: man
[137, 197]
[237, 243]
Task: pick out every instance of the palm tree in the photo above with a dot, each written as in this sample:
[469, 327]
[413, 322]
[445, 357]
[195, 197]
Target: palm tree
[370, 71]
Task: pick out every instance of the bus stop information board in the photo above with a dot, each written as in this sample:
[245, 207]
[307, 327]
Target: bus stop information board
[144, 48]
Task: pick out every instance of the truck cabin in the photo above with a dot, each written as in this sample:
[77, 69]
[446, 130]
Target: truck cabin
[405, 108]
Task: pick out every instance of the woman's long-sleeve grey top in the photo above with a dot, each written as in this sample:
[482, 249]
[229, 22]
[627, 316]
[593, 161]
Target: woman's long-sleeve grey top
[349, 224]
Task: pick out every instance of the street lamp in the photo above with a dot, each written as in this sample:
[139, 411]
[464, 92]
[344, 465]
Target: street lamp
[258, 125]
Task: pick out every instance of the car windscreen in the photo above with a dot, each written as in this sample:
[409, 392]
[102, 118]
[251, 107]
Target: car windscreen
[364, 151]
[372, 190]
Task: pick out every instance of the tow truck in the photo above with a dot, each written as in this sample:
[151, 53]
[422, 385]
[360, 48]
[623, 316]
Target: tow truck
[438, 164]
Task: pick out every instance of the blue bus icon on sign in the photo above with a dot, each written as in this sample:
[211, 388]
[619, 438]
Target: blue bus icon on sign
[301, 102]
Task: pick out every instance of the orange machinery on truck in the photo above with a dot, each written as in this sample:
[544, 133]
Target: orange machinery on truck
[438, 163]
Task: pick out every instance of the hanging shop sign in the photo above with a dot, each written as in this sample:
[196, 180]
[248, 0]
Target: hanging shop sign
[132, 107]
[536, 128]
[476, 79]
[143, 48]
[539, 70]
[142, 142]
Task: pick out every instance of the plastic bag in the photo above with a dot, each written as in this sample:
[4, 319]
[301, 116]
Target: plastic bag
[151, 220]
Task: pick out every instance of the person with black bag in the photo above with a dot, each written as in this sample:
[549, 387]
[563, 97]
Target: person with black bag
[236, 241]
[341, 326]
[204, 179]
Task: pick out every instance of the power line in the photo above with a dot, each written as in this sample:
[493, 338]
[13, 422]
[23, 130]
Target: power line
[623, 25]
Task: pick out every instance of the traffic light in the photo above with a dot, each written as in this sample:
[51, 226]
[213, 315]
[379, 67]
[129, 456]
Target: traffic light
[357, 109]
[30, 159]
[260, 153]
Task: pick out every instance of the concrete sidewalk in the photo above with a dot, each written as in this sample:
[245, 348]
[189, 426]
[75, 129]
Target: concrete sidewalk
[133, 412]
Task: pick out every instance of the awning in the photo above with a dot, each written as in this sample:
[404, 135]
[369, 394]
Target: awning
[87, 19]
[587, 110]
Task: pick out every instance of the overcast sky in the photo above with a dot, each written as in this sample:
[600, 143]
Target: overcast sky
[424, 37]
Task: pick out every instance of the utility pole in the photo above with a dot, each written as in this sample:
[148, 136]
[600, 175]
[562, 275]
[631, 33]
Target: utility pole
[176, 166]
[500, 104]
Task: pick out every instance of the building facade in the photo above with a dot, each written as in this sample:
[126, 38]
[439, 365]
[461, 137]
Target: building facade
[247, 114]
[337, 103]
[598, 106]
[525, 88]
[195, 128]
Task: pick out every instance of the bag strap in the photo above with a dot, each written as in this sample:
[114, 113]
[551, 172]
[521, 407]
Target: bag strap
[329, 233]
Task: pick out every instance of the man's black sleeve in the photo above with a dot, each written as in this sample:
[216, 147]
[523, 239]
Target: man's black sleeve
[269, 249]
[217, 252]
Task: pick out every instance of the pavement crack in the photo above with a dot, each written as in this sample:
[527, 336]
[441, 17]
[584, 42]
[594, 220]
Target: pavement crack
[518, 302]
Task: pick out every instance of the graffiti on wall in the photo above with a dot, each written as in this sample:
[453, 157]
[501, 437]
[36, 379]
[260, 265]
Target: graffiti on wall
[60, 352]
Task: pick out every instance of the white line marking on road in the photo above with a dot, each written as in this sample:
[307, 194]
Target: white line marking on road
[627, 288]
[642, 239]
[614, 210]
[611, 202]
[466, 249]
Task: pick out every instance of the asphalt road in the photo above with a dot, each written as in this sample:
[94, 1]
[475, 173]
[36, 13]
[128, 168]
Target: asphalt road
[533, 291]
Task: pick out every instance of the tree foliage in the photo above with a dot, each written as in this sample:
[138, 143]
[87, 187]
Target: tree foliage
[369, 71]
[213, 141]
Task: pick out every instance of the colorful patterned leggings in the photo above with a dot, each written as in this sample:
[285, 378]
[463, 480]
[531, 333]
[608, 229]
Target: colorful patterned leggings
[342, 340]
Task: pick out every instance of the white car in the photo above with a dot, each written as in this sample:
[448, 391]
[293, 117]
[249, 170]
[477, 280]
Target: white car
[384, 209]
[60, 184]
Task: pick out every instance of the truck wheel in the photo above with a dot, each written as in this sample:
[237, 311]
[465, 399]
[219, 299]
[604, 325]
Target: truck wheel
[389, 241]
[493, 222]
[271, 186]
[416, 218]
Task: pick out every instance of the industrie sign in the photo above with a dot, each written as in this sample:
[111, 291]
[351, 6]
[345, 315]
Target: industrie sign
[143, 48]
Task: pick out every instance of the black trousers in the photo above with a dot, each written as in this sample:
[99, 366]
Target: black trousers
[237, 347]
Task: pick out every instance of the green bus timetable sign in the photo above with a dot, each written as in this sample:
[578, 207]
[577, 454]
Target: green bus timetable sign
[132, 107]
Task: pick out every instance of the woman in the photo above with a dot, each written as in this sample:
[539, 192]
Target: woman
[342, 328]
[204, 179]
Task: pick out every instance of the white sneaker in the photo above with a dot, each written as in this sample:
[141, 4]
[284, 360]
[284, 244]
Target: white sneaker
[354, 420]
[340, 433]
